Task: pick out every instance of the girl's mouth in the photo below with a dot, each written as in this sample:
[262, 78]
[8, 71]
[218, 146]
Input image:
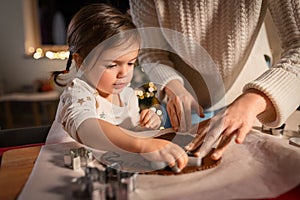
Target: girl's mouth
[119, 85]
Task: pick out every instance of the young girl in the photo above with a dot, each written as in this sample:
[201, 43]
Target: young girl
[97, 108]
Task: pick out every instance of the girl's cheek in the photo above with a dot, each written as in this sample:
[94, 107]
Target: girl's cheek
[94, 76]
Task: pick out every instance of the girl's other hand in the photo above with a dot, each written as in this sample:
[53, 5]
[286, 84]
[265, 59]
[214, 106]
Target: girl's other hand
[150, 119]
[160, 150]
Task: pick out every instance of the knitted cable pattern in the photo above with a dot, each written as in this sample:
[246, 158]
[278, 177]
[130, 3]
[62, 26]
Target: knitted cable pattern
[227, 30]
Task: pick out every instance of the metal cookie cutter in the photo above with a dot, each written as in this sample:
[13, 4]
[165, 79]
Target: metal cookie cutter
[77, 158]
[193, 161]
[274, 131]
[295, 141]
[111, 183]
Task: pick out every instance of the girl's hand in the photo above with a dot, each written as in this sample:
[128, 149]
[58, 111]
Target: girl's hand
[236, 120]
[180, 105]
[160, 150]
[150, 119]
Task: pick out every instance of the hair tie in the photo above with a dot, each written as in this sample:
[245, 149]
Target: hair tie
[72, 49]
[65, 71]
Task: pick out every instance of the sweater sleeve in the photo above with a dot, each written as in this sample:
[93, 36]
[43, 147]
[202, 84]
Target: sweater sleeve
[281, 83]
[154, 54]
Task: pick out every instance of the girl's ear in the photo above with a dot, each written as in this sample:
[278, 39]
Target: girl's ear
[78, 59]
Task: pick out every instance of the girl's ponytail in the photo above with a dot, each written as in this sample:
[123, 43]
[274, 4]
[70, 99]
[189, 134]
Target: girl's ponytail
[55, 74]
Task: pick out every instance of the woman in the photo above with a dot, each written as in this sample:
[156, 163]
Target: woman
[227, 31]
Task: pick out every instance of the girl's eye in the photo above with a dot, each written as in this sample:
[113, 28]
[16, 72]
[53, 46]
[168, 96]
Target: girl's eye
[131, 64]
[110, 66]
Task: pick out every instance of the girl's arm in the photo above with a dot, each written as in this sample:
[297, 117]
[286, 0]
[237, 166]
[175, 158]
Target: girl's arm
[77, 114]
[103, 135]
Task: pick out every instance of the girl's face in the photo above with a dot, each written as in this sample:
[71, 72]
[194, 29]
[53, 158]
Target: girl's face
[115, 69]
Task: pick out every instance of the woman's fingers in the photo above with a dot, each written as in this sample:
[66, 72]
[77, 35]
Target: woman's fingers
[224, 142]
[180, 112]
[207, 144]
[173, 115]
[196, 142]
[212, 133]
[237, 128]
[226, 138]
[195, 106]
[241, 135]
[186, 118]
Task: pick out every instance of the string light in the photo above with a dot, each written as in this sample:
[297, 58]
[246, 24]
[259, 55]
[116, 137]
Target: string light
[39, 53]
[146, 94]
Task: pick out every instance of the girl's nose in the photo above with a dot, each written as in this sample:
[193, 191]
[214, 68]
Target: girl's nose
[123, 70]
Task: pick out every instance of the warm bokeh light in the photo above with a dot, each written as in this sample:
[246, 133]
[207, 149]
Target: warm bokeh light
[39, 53]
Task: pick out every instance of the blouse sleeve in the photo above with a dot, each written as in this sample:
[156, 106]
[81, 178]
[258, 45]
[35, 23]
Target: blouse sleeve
[77, 104]
[281, 83]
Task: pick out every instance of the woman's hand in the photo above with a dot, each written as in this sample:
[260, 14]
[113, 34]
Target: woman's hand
[160, 150]
[150, 119]
[236, 120]
[180, 105]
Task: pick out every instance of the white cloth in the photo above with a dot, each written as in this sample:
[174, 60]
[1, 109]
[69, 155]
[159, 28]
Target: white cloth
[263, 166]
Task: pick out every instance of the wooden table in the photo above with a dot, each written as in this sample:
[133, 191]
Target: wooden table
[16, 166]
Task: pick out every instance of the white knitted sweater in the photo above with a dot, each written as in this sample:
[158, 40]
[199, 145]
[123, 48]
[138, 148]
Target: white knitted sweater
[227, 31]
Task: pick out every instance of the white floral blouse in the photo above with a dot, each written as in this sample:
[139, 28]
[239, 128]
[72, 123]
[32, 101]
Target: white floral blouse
[80, 101]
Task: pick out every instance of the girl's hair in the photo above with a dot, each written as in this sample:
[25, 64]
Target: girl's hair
[90, 26]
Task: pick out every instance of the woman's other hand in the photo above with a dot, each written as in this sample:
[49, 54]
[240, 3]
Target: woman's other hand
[236, 120]
[180, 105]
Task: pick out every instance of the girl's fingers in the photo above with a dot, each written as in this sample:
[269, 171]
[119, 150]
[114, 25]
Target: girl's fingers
[150, 119]
[182, 161]
[153, 123]
[146, 114]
